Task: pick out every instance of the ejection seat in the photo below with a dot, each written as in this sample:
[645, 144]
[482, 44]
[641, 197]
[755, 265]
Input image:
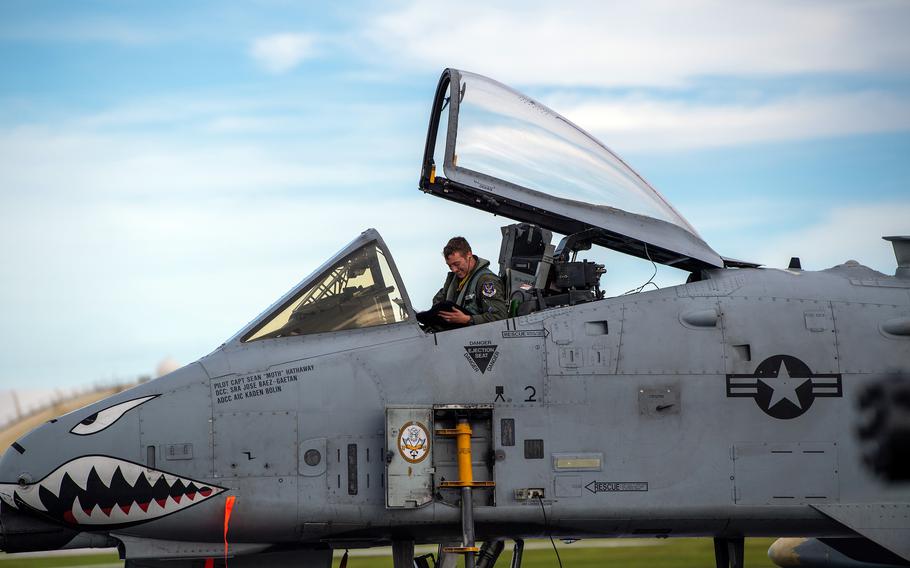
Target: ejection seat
[525, 248]
[537, 276]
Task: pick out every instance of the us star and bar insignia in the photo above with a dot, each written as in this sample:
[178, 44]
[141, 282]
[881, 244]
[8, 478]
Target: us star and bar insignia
[784, 387]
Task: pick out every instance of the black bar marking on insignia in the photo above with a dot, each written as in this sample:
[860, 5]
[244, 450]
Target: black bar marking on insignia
[782, 451]
[339, 455]
[813, 451]
[352, 469]
[746, 389]
[368, 460]
[822, 389]
[507, 431]
[18, 448]
[816, 497]
[368, 481]
[339, 481]
[522, 333]
[533, 449]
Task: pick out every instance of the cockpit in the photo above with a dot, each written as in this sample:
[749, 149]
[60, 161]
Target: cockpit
[494, 149]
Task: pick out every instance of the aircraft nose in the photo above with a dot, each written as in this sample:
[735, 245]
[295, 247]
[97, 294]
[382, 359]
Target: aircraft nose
[11, 474]
[8, 459]
[29, 458]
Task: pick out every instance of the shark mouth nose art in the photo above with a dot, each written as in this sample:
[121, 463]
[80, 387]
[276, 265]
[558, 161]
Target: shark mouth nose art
[106, 491]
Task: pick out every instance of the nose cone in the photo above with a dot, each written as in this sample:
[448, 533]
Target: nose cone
[13, 471]
[25, 462]
[34, 450]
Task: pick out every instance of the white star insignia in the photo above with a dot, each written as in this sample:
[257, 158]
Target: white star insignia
[784, 387]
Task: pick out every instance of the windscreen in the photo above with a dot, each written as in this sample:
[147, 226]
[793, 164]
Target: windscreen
[358, 291]
[506, 135]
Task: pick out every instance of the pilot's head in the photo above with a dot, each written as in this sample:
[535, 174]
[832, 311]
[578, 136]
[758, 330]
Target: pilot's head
[459, 257]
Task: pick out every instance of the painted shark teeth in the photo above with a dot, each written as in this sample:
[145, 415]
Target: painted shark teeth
[131, 472]
[106, 491]
[29, 496]
[105, 471]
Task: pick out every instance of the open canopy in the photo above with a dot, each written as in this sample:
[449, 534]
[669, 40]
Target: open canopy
[506, 153]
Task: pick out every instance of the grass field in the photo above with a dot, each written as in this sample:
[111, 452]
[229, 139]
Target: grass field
[640, 553]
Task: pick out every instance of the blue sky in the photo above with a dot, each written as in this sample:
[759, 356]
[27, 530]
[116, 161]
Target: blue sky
[167, 169]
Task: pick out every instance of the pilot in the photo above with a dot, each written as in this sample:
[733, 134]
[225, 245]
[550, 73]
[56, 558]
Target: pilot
[472, 285]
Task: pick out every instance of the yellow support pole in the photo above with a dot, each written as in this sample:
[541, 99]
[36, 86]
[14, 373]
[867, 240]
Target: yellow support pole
[462, 434]
[463, 444]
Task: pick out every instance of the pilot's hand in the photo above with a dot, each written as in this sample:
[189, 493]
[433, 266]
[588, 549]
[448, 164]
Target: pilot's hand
[455, 316]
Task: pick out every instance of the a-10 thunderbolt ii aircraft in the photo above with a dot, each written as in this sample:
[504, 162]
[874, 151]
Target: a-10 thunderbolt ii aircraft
[723, 407]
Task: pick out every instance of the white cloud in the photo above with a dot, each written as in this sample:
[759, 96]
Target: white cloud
[280, 53]
[127, 165]
[639, 123]
[199, 149]
[845, 232]
[659, 42]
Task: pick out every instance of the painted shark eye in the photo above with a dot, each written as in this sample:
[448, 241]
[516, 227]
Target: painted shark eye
[100, 420]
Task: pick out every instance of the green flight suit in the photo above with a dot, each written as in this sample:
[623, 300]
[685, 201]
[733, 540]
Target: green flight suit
[483, 295]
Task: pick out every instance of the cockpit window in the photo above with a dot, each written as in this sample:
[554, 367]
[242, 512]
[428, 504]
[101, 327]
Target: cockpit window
[358, 291]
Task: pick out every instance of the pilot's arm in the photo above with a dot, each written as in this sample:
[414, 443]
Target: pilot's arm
[491, 298]
[440, 296]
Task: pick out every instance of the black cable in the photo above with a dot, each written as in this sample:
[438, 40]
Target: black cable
[546, 526]
[650, 280]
